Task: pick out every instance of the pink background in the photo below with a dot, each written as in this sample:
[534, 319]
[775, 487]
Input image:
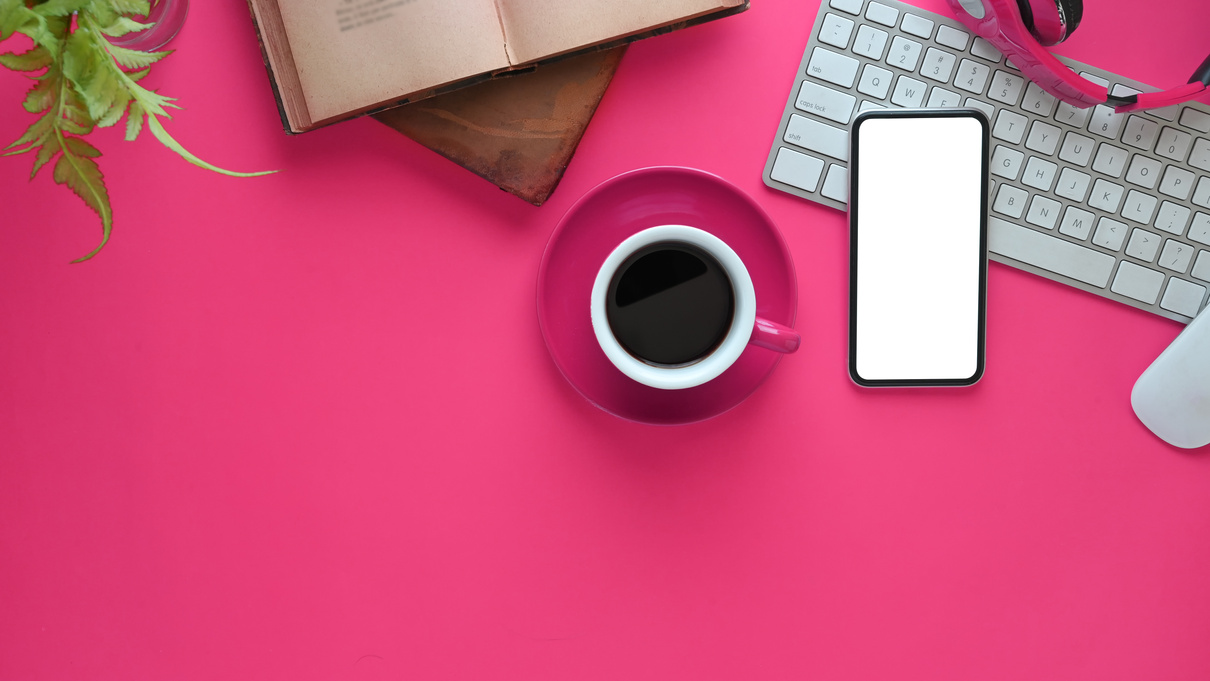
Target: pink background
[305, 426]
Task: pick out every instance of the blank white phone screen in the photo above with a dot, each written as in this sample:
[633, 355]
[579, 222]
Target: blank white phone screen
[919, 184]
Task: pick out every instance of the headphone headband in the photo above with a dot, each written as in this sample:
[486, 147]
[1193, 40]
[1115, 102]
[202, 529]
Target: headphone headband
[1000, 23]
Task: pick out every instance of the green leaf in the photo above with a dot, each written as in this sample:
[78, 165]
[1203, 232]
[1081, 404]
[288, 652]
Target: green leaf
[60, 8]
[79, 147]
[115, 112]
[34, 136]
[34, 59]
[41, 96]
[14, 15]
[45, 153]
[47, 32]
[162, 135]
[135, 59]
[134, 121]
[92, 73]
[123, 26]
[140, 8]
[75, 118]
[82, 175]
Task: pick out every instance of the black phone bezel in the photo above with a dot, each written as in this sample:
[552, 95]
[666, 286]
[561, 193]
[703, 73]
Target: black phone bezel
[854, 207]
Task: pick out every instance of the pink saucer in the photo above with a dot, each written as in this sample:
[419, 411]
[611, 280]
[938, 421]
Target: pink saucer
[603, 218]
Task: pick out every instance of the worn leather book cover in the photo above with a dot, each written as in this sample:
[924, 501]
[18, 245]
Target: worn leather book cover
[329, 60]
[517, 132]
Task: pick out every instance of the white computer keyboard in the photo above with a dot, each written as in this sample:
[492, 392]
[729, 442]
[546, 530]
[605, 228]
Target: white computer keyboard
[1115, 204]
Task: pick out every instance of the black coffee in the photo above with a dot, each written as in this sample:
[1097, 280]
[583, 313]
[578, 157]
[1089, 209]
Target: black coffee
[670, 304]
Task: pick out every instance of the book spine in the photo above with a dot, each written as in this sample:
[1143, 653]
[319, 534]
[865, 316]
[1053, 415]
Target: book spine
[264, 53]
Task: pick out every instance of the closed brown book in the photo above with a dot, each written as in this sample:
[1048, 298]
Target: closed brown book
[329, 60]
[518, 132]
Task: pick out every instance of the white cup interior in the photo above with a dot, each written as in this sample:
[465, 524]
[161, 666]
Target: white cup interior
[710, 366]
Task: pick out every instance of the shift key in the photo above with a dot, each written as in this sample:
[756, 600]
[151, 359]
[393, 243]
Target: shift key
[816, 136]
[832, 67]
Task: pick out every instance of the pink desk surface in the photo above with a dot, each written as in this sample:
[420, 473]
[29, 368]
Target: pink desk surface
[305, 426]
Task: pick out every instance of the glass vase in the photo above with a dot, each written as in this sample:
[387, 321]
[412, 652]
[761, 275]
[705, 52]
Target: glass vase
[166, 18]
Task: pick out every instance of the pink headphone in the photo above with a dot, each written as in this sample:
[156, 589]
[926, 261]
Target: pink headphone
[1020, 28]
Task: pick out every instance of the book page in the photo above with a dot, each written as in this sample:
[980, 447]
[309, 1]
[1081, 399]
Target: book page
[354, 54]
[541, 28]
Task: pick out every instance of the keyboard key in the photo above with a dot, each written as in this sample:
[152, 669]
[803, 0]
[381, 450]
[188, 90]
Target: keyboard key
[952, 37]
[1110, 234]
[1143, 245]
[816, 136]
[1073, 185]
[1010, 126]
[797, 169]
[1010, 201]
[867, 105]
[987, 109]
[870, 42]
[1006, 162]
[1183, 297]
[1048, 252]
[972, 76]
[904, 54]
[1174, 144]
[1140, 132]
[832, 67]
[1043, 212]
[1106, 195]
[908, 92]
[1038, 101]
[1200, 158]
[1072, 115]
[1172, 218]
[1006, 88]
[1201, 270]
[1105, 122]
[1199, 231]
[917, 26]
[836, 185]
[1176, 256]
[1077, 223]
[1201, 195]
[826, 102]
[1177, 183]
[1110, 160]
[875, 81]
[1076, 149]
[1043, 138]
[850, 6]
[1139, 207]
[1144, 172]
[1190, 118]
[941, 98]
[880, 13]
[1141, 283]
[985, 50]
[1039, 174]
[836, 30]
[938, 65]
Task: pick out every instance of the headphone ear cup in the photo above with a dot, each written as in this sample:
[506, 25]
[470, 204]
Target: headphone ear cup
[1073, 11]
[1051, 21]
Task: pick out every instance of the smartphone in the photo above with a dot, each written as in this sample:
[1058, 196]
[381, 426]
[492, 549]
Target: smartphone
[918, 247]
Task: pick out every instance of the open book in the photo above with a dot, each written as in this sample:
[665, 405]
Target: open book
[334, 59]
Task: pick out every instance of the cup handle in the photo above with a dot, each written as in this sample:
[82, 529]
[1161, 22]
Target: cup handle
[774, 336]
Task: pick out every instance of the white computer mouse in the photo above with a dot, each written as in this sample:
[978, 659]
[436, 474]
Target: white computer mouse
[1172, 397]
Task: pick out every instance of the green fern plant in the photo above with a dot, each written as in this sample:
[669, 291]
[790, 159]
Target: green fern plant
[82, 81]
